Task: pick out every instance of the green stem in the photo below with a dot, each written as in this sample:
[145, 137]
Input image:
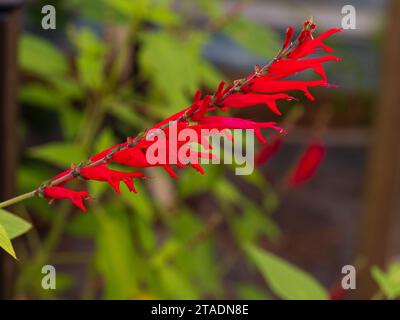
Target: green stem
[17, 199]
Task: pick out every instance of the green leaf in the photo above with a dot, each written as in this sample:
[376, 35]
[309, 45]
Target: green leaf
[140, 203]
[38, 95]
[70, 119]
[175, 67]
[58, 153]
[286, 280]
[14, 225]
[90, 58]
[253, 223]
[67, 87]
[115, 253]
[82, 225]
[198, 261]
[254, 37]
[105, 140]
[176, 285]
[39, 56]
[206, 181]
[5, 242]
[125, 113]
[156, 11]
[389, 282]
[247, 291]
[227, 192]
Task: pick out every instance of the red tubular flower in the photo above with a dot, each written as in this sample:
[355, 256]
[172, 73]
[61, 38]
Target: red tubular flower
[285, 67]
[135, 157]
[308, 164]
[309, 46]
[102, 154]
[203, 108]
[62, 174]
[221, 122]
[288, 37]
[270, 86]
[76, 197]
[220, 92]
[196, 102]
[268, 150]
[239, 100]
[113, 177]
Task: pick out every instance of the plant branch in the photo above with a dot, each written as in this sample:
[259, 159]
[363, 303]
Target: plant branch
[134, 142]
[17, 199]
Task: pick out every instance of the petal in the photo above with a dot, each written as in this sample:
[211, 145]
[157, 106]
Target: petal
[308, 164]
[239, 100]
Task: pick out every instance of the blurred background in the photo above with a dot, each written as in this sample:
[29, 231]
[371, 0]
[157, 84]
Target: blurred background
[114, 67]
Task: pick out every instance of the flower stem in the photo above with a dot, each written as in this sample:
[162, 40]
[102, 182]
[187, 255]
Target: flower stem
[17, 199]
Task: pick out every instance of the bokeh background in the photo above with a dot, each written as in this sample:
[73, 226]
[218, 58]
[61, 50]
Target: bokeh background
[114, 67]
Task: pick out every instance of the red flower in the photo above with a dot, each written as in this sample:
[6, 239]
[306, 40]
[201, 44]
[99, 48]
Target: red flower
[308, 164]
[238, 100]
[134, 157]
[270, 86]
[202, 109]
[76, 197]
[308, 45]
[268, 150]
[62, 174]
[286, 67]
[337, 293]
[113, 177]
[220, 123]
[288, 37]
[221, 92]
[102, 154]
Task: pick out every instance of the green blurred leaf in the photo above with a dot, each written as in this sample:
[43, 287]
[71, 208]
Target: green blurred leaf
[125, 113]
[175, 284]
[67, 87]
[5, 242]
[58, 153]
[140, 202]
[247, 291]
[146, 233]
[206, 181]
[253, 223]
[70, 122]
[254, 37]
[104, 140]
[156, 11]
[286, 280]
[39, 56]
[116, 258]
[90, 58]
[175, 67]
[30, 176]
[14, 225]
[197, 261]
[227, 192]
[83, 225]
[41, 96]
[64, 281]
[389, 282]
